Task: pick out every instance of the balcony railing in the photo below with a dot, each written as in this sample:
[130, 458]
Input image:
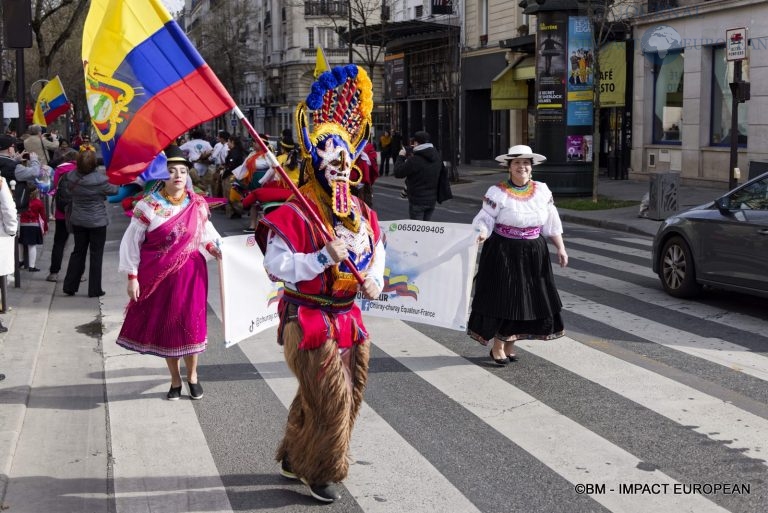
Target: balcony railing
[330, 52]
[325, 8]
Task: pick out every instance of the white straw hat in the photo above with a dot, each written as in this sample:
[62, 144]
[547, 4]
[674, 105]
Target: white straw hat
[521, 151]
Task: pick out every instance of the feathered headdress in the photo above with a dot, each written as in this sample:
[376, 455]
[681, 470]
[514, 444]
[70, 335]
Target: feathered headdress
[340, 101]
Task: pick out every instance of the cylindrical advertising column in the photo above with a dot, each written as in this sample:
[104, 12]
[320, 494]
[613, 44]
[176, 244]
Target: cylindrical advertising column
[564, 101]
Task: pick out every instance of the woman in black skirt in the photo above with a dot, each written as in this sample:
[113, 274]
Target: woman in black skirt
[515, 295]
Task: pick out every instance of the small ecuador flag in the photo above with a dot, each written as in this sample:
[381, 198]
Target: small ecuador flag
[51, 103]
[145, 83]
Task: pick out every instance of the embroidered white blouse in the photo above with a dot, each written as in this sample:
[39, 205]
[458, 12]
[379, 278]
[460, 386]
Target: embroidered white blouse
[149, 214]
[291, 268]
[504, 206]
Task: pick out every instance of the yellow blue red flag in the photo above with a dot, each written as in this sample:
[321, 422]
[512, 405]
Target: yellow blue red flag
[145, 83]
[51, 103]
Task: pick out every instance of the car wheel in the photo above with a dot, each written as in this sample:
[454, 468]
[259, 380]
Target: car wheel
[676, 269]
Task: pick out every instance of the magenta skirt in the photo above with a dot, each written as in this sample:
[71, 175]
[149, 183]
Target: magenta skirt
[171, 322]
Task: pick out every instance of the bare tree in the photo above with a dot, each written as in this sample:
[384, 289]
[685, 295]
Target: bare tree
[54, 22]
[367, 19]
[224, 42]
[605, 16]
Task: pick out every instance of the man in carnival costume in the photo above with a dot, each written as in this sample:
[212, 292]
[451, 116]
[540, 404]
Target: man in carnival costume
[326, 344]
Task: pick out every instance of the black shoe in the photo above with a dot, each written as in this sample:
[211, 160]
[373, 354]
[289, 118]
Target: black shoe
[249, 230]
[324, 492]
[69, 293]
[22, 266]
[499, 361]
[3, 329]
[33, 270]
[97, 295]
[2, 377]
[174, 394]
[512, 357]
[285, 470]
[195, 390]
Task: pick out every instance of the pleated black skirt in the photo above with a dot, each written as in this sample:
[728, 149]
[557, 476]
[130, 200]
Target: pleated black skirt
[515, 295]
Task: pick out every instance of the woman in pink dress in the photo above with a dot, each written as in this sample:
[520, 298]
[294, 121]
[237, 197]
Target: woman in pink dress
[162, 252]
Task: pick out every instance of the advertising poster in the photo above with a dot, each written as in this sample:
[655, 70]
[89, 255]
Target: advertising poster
[580, 113]
[613, 74]
[550, 67]
[581, 58]
[579, 148]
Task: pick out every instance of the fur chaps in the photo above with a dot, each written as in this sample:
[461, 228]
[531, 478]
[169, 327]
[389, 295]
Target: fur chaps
[321, 417]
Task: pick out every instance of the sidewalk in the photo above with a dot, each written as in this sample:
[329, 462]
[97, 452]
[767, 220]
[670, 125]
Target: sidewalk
[478, 179]
[67, 383]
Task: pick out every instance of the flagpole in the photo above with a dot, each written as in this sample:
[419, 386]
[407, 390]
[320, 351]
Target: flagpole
[304, 203]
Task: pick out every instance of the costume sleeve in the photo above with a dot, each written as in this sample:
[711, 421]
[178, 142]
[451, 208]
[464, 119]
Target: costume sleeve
[485, 220]
[553, 225]
[130, 246]
[210, 235]
[284, 265]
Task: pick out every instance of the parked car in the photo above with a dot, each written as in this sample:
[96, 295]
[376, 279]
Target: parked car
[722, 244]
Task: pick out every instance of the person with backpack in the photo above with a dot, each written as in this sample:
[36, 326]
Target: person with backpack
[61, 234]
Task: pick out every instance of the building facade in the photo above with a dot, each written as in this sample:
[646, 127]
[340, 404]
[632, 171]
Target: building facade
[277, 46]
[497, 76]
[682, 97]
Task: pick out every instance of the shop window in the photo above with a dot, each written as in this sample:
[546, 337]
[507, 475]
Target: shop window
[668, 99]
[722, 76]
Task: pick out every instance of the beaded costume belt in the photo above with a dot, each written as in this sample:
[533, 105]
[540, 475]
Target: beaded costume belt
[325, 303]
[512, 232]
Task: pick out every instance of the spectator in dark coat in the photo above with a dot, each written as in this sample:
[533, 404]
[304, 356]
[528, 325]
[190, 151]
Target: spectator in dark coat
[87, 188]
[420, 166]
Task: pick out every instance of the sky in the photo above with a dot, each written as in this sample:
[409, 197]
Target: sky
[174, 5]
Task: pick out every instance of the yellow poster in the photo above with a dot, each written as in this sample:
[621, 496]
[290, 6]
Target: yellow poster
[613, 74]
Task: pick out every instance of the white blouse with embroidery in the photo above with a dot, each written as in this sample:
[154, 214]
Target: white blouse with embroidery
[291, 268]
[508, 207]
[150, 213]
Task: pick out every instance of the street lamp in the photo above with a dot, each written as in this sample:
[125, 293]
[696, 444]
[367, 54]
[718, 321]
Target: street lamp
[33, 95]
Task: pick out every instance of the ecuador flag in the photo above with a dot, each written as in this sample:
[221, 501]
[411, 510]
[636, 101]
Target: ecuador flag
[145, 83]
[51, 103]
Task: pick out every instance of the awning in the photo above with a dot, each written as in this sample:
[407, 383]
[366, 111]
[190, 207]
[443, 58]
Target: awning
[509, 90]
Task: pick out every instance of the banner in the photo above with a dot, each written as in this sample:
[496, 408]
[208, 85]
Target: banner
[248, 297]
[51, 103]
[613, 74]
[428, 278]
[428, 274]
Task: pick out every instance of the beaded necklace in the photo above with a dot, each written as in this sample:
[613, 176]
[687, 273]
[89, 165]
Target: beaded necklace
[174, 201]
[523, 193]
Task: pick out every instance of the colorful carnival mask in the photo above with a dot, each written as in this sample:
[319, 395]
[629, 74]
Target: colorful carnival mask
[341, 102]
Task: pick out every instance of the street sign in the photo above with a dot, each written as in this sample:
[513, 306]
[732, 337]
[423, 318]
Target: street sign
[736, 44]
